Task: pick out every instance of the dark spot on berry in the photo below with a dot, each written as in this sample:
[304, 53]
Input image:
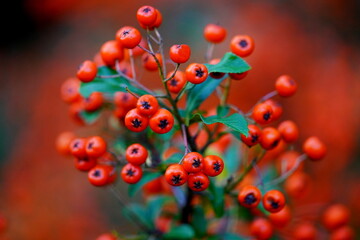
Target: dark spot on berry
[198, 185]
[146, 10]
[196, 163]
[267, 116]
[250, 199]
[97, 173]
[76, 145]
[125, 32]
[274, 205]
[178, 46]
[173, 82]
[145, 105]
[84, 159]
[217, 166]
[125, 97]
[80, 66]
[146, 58]
[291, 82]
[176, 179]
[254, 138]
[90, 145]
[136, 123]
[275, 143]
[199, 72]
[163, 124]
[130, 172]
[134, 151]
[70, 90]
[243, 43]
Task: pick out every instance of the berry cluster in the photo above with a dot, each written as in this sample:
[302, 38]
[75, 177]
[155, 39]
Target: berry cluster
[188, 144]
[195, 170]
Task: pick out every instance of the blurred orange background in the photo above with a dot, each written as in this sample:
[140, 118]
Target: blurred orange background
[316, 42]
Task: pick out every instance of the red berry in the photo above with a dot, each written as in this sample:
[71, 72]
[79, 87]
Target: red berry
[196, 73]
[177, 82]
[128, 37]
[282, 218]
[273, 201]
[136, 122]
[146, 15]
[304, 231]
[95, 147]
[70, 90]
[85, 163]
[149, 61]
[254, 136]
[285, 86]
[335, 216]
[125, 100]
[238, 76]
[180, 53]
[262, 113]
[242, 45]
[93, 102]
[63, 142]
[106, 236]
[176, 175]
[131, 173]
[147, 105]
[87, 71]
[193, 162]
[111, 51]
[249, 196]
[162, 121]
[289, 131]
[276, 109]
[261, 228]
[214, 33]
[78, 147]
[136, 154]
[198, 181]
[314, 148]
[99, 175]
[213, 165]
[270, 138]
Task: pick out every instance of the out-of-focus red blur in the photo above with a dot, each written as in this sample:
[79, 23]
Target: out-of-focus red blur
[316, 42]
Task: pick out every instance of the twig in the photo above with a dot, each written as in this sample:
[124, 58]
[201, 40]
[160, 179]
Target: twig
[186, 144]
[173, 74]
[132, 64]
[285, 175]
[209, 52]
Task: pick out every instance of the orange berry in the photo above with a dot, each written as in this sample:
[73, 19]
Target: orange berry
[214, 33]
[285, 86]
[314, 148]
[242, 45]
[289, 131]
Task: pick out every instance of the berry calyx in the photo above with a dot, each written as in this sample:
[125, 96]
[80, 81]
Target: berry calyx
[135, 121]
[198, 181]
[147, 105]
[128, 37]
[213, 165]
[136, 154]
[131, 173]
[273, 201]
[162, 121]
[196, 73]
[193, 162]
[242, 45]
[176, 175]
[249, 196]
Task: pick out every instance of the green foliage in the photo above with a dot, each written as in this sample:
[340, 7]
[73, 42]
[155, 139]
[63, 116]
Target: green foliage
[217, 198]
[181, 232]
[90, 117]
[108, 86]
[138, 214]
[199, 221]
[235, 121]
[230, 63]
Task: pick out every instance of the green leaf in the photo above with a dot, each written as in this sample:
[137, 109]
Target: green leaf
[217, 198]
[199, 93]
[90, 117]
[180, 232]
[235, 121]
[155, 204]
[135, 213]
[147, 177]
[199, 222]
[222, 111]
[108, 86]
[232, 159]
[230, 63]
[175, 158]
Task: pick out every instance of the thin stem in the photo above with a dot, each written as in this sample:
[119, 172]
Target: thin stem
[247, 169]
[263, 99]
[226, 92]
[258, 172]
[186, 144]
[132, 93]
[173, 74]
[156, 60]
[161, 48]
[285, 175]
[236, 109]
[132, 64]
[181, 93]
[209, 52]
